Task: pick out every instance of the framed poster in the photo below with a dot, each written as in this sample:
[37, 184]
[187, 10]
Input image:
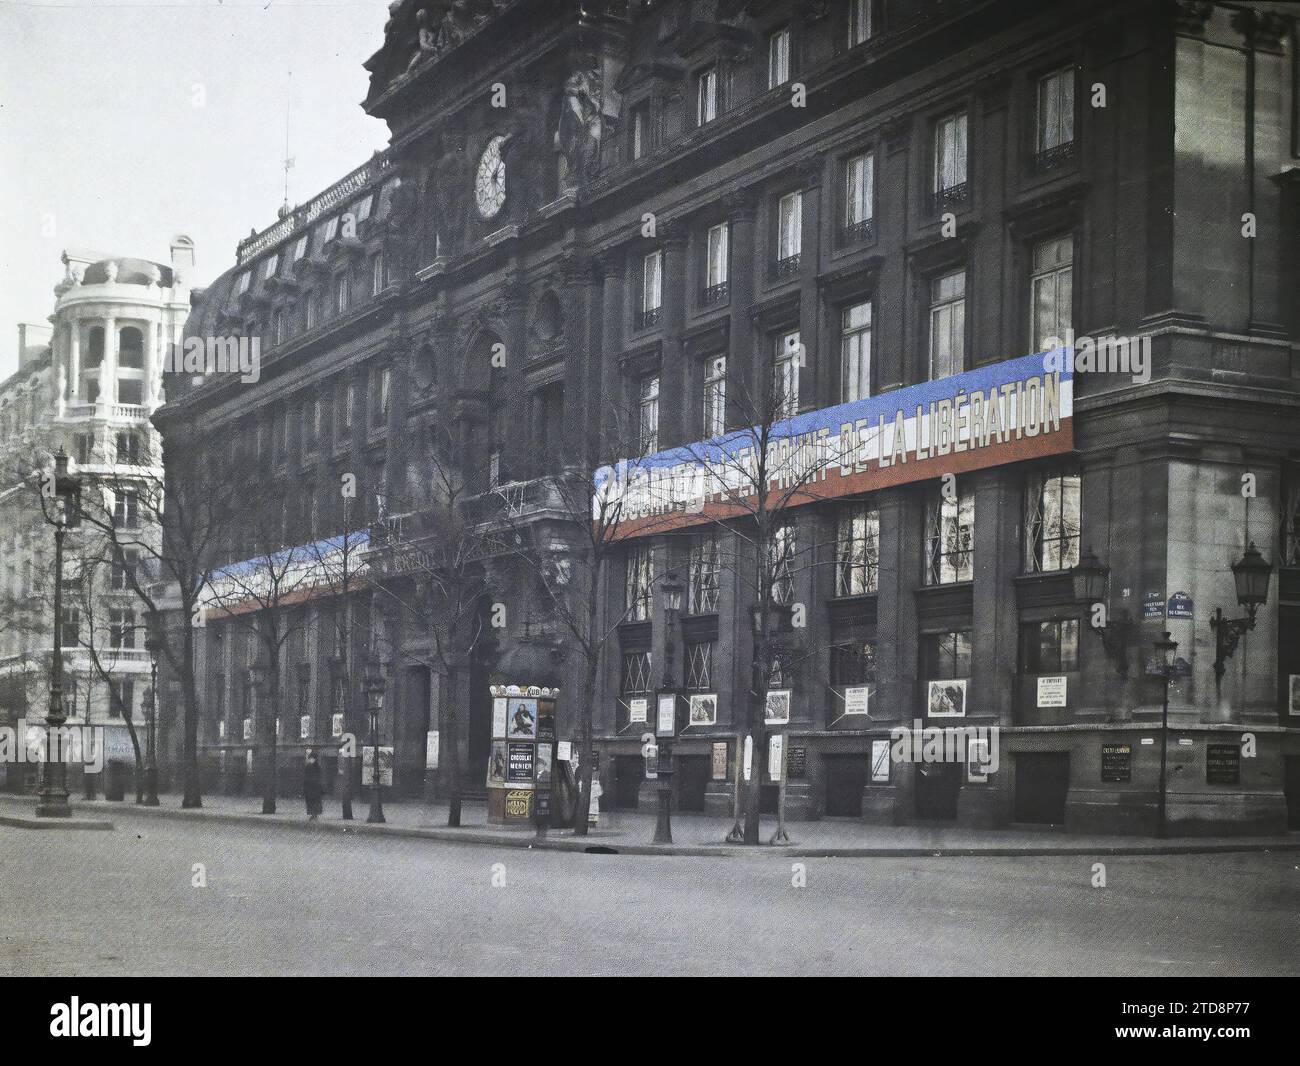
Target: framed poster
[562, 750]
[544, 764]
[1293, 704]
[857, 699]
[638, 709]
[221, 730]
[336, 725]
[1117, 762]
[521, 719]
[977, 761]
[666, 723]
[778, 707]
[248, 729]
[499, 717]
[775, 756]
[796, 764]
[519, 762]
[380, 774]
[1051, 691]
[497, 763]
[947, 699]
[519, 804]
[304, 727]
[880, 762]
[1222, 764]
[704, 709]
[431, 744]
[720, 761]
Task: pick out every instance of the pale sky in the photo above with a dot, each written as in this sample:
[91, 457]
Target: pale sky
[123, 122]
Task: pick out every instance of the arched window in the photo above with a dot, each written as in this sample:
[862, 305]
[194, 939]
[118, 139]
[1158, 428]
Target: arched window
[130, 348]
[95, 347]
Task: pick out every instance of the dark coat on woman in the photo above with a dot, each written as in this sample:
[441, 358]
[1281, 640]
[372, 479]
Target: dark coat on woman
[311, 786]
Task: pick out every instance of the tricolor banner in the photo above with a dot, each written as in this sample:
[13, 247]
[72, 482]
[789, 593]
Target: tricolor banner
[1001, 413]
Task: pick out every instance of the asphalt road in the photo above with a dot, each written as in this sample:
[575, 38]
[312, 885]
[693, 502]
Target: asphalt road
[285, 901]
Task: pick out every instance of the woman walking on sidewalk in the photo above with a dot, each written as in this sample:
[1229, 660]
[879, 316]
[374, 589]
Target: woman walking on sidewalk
[311, 785]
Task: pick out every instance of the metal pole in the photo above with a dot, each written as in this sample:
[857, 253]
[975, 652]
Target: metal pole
[376, 814]
[151, 742]
[53, 794]
[1164, 751]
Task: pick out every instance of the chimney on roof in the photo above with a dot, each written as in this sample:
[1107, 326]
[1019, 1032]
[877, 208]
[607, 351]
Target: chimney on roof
[183, 254]
[33, 339]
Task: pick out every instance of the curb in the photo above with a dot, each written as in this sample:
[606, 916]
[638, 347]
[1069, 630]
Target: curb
[525, 840]
[52, 823]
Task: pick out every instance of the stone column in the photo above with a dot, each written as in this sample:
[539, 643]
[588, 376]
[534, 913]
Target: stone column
[149, 391]
[604, 404]
[813, 374]
[514, 449]
[74, 360]
[741, 211]
[673, 400]
[108, 365]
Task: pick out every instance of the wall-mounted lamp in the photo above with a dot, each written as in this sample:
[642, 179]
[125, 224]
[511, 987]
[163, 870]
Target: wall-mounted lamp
[1091, 577]
[1252, 574]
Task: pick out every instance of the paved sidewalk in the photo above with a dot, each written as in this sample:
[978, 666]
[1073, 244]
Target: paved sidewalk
[630, 832]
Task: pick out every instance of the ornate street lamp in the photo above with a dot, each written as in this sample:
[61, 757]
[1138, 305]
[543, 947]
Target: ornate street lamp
[1091, 578]
[1165, 649]
[1251, 574]
[152, 644]
[373, 683]
[670, 591]
[60, 504]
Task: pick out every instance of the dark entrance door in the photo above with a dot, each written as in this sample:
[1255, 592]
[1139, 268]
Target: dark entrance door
[846, 775]
[937, 784]
[691, 778]
[629, 772]
[480, 712]
[1291, 788]
[1042, 781]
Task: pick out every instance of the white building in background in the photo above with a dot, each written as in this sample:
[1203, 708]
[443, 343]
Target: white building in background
[89, 382]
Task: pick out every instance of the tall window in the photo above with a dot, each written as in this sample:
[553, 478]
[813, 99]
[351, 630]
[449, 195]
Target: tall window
[945, 656]
[859, 21]
[640, 130]
[86, 448]
[715, 396]
[128, 448]
[312, 308]
[652, 267]
[126, 510]
[378, 280]
[1052, 521]
[1056, 110]
[121, 697]
[857, 550]
[124, 570]
[947, 325]
[859, 195]
[349, 403]
[1290, 531]
[781, 551]
[640, 584]
[277, 326]
[950, 152]
[789, 228]
[778, 57]
[636, 673]
[121, 628]
[853, 662]
[648, 414]
[949, 537]
[703, 573]
[706, 96]
[699, 665]
[717, 267]
[382, 396]
[1050, 647]
[1051, 287]
[855, 352]
[340, 293]
[787, 359]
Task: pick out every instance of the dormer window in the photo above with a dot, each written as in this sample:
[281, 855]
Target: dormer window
[329, 230]
[241, 283]
[362, 208]
[706, 95]
[272, 265]
[641, 142]
[300, 249]
[859, 22]
[778, 57]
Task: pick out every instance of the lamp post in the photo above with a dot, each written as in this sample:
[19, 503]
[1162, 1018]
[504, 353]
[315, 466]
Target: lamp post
[1251, 574]
[1091, 577]
[670, 589]
[60, 496]
[152, 644]
[1165, 648]
[374, 686]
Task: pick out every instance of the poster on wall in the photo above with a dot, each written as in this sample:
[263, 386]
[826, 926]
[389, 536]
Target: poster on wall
[978, 762]
[857, 699]
[719, 769]
[880, 761]
[947, 699]
[499, 717]
[1294, 703]
[638, 709]
[519, 804]
[563, 750]
[778, 707]
[522, 719]
[1051, 691]
[304, 727]
[704, 709]
[775, 756]
[336, 725]
[497, 763]
[666, 725]
[544, 764]
[519, 763]
[1117, 762]
[248, 729]
[431, 750]
[248, 760]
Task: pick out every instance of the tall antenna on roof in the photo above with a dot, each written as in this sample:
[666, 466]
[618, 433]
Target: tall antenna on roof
[288, 159]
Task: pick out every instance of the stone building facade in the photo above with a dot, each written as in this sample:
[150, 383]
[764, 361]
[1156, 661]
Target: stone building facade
[596, 217]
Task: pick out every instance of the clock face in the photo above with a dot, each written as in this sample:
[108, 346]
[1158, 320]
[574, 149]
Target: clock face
[490, 179]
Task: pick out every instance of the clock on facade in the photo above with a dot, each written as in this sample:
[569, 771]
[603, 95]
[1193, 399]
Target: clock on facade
[490, 179]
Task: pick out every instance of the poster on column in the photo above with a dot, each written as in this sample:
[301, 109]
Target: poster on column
[522, 719]
[519, 766]
[499, 718]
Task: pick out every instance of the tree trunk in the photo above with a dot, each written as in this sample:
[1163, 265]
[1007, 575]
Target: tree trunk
[586, 758]
[192, 792]
[449, 726]
[273, 706]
